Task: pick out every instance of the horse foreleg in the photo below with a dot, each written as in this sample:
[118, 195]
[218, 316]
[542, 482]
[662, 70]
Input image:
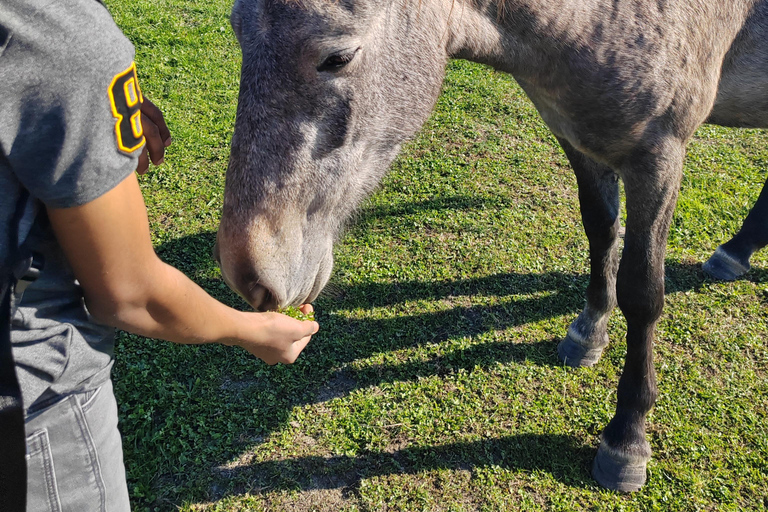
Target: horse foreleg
[651, 186]
[599, 202]
[731, 260]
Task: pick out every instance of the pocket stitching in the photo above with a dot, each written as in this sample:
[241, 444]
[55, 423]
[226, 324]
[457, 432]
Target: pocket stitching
[91, 399]
[37, 443]
[43, 448]
[85, 431]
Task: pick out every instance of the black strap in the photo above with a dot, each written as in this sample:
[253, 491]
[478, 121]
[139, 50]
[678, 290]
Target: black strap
[13, 447]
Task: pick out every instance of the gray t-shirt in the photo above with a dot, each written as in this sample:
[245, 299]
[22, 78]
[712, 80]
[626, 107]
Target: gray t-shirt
[69, 132]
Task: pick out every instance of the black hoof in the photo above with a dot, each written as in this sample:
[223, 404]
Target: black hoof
[724, 267]
[617, 475]
[577, 355]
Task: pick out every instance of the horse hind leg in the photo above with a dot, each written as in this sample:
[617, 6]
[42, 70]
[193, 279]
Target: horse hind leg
[731, 260]
[742, 101]
[599, 201]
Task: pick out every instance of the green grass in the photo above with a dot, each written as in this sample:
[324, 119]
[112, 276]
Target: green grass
[433, 384]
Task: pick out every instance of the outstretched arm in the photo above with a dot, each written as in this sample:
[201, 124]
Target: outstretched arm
[108, 245]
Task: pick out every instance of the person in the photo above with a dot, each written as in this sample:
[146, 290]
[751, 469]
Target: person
[74, 126]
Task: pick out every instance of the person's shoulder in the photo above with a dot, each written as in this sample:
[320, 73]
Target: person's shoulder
[87, 37]
[72, 101]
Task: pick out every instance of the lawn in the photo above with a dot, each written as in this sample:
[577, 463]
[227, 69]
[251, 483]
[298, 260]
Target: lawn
[434, 384]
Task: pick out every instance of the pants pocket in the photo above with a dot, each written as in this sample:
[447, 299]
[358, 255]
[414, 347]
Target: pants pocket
[42, 492]
[75, 456]
[99, 410]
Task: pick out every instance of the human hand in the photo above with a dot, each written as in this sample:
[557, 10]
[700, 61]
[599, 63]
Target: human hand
[156, 134]
[277, 338]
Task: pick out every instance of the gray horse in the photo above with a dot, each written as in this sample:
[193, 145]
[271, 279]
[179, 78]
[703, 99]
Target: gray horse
[731, 260]
[330, 89]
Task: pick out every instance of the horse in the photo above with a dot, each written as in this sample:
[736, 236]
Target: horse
[331, 89]
[731, 259]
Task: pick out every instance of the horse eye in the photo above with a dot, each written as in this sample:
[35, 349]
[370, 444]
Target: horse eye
[337, 61]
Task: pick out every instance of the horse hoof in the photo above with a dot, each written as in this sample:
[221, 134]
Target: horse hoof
[724, 267]
[616, 474]
[576, 355]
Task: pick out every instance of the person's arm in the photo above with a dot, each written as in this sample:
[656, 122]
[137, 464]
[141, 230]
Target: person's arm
[107, 243]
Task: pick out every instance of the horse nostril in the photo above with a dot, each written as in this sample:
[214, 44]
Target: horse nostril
[216, 255]
[261, 299]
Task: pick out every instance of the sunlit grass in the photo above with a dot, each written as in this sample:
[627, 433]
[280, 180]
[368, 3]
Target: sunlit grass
[433, 383]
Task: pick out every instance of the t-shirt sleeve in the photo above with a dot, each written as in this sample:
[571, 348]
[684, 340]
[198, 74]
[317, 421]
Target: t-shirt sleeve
[69, 121]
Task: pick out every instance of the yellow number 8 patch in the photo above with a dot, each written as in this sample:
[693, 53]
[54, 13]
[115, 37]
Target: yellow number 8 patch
[125, 98]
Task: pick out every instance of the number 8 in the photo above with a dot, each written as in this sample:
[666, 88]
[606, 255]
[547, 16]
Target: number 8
[125, 98]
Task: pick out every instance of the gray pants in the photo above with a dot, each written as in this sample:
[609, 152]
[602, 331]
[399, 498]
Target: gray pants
[75, 455]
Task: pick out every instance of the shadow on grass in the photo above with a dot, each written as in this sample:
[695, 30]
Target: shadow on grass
[457, 202]
[560, 456]
[324, 373]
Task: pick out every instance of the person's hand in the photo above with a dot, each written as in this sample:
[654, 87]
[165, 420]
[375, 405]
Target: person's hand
[277, 338]
[156, 134]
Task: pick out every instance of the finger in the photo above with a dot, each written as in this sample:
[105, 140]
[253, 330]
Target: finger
[293, 327]
[308, 328]
[151, 111]
[299, 346]
[306, 308]
[155, 144]
[302, 329]
[143, 161]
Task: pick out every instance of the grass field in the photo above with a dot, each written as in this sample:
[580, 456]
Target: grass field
[433, 384]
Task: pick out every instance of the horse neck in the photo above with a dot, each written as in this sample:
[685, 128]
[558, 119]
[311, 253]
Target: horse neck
[521, 36]
[512, 35]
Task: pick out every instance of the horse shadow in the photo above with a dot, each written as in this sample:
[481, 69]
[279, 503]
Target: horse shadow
[564, 458]
[344, 339]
